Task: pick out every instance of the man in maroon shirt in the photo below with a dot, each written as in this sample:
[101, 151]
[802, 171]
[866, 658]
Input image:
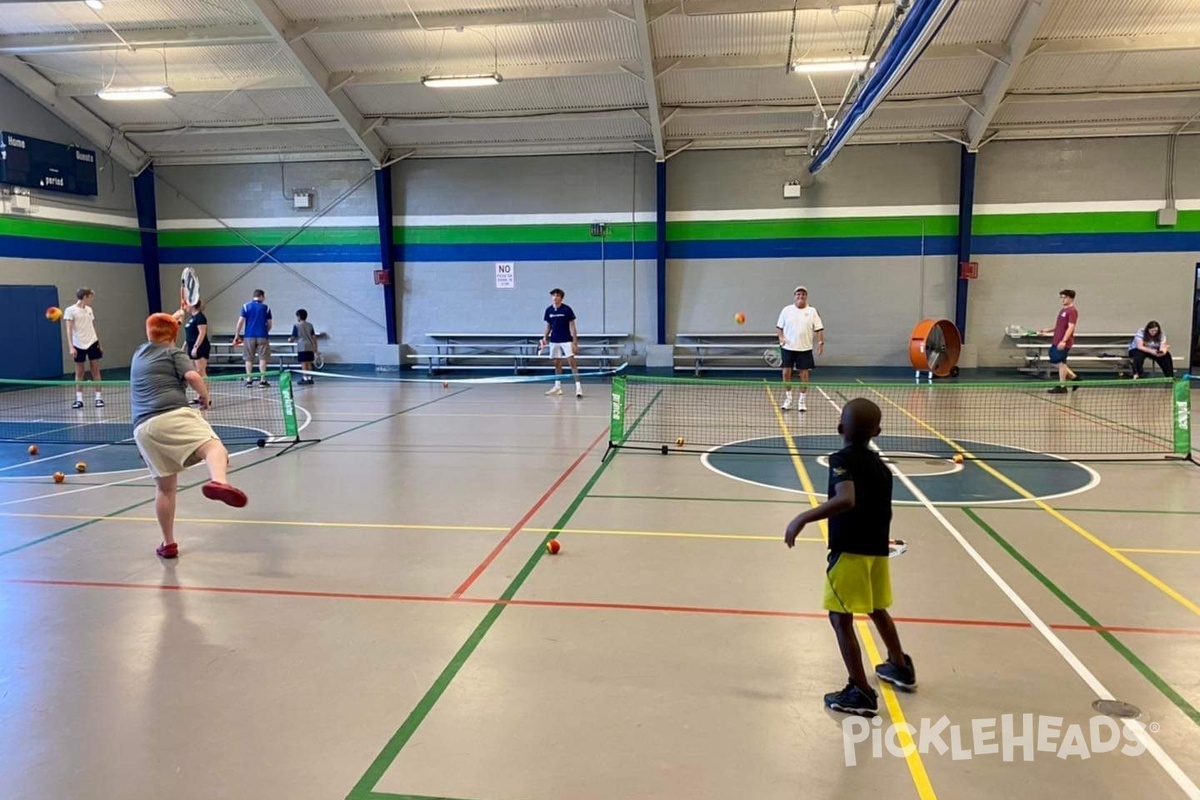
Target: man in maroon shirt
[1064, 338]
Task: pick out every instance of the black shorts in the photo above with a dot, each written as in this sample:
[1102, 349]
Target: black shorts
[306, 356]
[798, 359]
[93, 353]
[201, 352]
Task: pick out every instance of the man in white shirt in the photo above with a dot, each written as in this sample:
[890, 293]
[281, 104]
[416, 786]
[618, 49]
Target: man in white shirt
[84, 343]
[799, 324]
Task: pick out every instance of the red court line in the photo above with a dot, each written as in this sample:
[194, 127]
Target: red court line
[573, 604]
[487, 562]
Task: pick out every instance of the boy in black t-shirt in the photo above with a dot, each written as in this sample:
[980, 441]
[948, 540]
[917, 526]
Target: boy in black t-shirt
[857, 581]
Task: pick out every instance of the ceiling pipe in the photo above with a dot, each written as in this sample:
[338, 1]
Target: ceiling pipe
[918, 28]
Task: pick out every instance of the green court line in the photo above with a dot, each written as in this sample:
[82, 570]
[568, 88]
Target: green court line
[364, 789]
[118, 512]
[1149, 674]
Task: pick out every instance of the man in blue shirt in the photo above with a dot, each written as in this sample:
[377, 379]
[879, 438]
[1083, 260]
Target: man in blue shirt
[255, 323]
[563, 340]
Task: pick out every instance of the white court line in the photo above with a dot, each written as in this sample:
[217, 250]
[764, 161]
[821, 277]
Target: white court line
[142, 471]
[1136, 728]
[1092, 483]
[91, 488]
[43, 459]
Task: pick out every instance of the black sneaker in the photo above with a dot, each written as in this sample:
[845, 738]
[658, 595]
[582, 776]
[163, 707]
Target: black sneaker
[904, 678]
[77, 404]
[263, 384]
[99, 403]
[1057, 390]
[853, 700]
[249, 381]
[1076, 379]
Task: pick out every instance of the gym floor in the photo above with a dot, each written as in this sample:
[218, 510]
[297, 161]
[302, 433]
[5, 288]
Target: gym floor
[383, 620]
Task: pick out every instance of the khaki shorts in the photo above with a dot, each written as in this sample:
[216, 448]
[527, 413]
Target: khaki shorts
[168, 442]
[562, 349]
[256, 348]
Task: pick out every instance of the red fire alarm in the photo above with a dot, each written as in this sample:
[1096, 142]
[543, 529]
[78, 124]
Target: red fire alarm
[383, 277]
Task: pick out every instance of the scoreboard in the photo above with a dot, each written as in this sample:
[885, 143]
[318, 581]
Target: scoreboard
[50, 166]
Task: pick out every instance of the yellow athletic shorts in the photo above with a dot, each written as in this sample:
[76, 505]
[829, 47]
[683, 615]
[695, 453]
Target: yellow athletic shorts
[857, 584]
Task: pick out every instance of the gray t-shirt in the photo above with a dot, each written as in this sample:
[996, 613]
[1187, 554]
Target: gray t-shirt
[306, 337]
[157, 384]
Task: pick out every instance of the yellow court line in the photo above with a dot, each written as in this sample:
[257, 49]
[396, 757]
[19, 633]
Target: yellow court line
[1157, 551]
[916, 767]
[797, 462]
[401, 526]
[1153, 580]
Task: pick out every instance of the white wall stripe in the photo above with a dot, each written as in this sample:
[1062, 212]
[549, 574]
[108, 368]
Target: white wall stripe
[450, 220]
[730, 215]
[1078, 208]
[56, 214]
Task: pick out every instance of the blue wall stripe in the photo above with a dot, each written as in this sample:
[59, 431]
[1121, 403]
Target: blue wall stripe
[838, 247]
[1048, 244]
[54, 250]
[1045, 244]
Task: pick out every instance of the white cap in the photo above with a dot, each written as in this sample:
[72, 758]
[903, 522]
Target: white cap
[801, 289]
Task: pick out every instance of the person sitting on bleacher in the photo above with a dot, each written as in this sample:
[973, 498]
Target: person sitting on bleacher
[1150, 342]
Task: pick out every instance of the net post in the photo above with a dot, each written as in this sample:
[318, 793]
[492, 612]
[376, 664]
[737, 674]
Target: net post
[1182, 418]
[290, 428]
[616, 430]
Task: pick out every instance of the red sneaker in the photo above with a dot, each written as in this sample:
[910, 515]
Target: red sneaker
[227, 494]
[168, 550]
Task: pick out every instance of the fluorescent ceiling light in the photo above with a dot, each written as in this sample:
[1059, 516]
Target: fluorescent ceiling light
[94, 5]
[848, 65]
[458, 81]
[137, 93]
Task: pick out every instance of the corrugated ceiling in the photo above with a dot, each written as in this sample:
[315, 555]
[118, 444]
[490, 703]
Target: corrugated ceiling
[579, 81]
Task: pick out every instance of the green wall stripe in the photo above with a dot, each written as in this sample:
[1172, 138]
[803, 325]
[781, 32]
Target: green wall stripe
[67, 231]
[1097, 222]
[847, 228]
[717, 230]
[268, 237]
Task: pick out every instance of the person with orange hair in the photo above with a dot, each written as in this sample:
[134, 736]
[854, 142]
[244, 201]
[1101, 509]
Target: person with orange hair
[170, 435]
